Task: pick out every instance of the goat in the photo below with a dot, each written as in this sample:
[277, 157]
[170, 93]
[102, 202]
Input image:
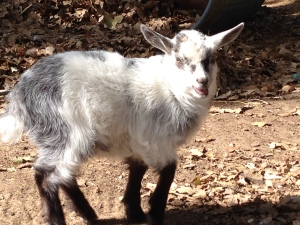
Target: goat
[75, 105]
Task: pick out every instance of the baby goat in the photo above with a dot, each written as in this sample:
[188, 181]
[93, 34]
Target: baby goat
[75, 105]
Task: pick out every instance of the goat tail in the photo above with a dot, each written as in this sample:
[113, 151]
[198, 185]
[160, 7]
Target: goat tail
[11, 125]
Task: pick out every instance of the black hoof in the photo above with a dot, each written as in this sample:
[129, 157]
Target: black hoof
[135, 215]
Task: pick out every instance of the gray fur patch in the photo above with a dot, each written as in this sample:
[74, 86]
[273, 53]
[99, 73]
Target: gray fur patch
[95, 54]
[207, 60]
[163, 114]
[131, 62]
[99, 145]
[39, 95]
[179, 39]
[181, 61]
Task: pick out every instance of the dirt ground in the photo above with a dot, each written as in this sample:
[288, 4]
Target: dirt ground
[243, 167]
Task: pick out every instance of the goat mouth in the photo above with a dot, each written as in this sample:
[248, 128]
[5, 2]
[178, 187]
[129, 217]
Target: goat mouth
[201, 91]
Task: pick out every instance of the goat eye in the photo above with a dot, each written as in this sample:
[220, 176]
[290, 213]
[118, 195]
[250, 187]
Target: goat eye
[205, 63]
[179, 62]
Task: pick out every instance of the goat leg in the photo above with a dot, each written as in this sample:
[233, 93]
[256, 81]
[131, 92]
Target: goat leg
[159, 198]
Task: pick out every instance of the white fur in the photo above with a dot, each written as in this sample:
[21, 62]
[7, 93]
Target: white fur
[11, 129]
[102, 107]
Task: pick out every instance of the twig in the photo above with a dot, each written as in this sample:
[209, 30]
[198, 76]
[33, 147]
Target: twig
[26, 9]
[259, 100]
[243, 102]
[25, 165]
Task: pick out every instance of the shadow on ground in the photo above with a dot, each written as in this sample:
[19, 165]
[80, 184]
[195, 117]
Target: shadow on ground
[257, 212]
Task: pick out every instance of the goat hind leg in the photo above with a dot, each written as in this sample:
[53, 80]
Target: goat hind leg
[80, 202]
[49, 196]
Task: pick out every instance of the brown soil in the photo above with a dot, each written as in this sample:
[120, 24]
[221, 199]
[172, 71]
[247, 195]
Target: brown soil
[243, 167]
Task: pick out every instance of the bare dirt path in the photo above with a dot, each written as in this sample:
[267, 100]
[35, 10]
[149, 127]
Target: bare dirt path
[243, 167]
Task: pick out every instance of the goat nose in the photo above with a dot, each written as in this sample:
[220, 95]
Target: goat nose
[203, 81]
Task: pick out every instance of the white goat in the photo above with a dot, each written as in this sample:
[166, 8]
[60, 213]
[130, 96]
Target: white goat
[75, 105]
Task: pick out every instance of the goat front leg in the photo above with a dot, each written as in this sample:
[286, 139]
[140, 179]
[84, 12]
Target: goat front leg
[159, 198]
[132, 198]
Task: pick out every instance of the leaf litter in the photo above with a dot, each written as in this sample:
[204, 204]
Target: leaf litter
[224, 184]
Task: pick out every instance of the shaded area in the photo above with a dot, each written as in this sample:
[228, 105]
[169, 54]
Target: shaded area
[252, 213]
[221, 15]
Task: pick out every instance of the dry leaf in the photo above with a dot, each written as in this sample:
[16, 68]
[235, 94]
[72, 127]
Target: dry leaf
[151, 186]
[200, 194]
[284, 51]
[185, 190]
[269, 183]
[226, 110]
[49, 50]
[81, 182]
[196, 152]
[204, 140]
[269, 175]
[112, 22]
[250, 166]
[23, 159]
[287, 88]
[261, 124]
[243, 181]
[189, 166]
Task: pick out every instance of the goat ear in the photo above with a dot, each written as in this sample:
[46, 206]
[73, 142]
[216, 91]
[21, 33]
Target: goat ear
[157, 40]
[227, 36]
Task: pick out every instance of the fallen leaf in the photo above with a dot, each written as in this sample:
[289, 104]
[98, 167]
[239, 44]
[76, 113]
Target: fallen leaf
[204, 140]
[200, 194]
[151, 186]
[49, 50]
[23, 159]
[196, 181]
[287, 88]
[81, 182]
[226, 110]
[189, 166]
[196, 152]
[112, 22]
[284, 51]
[250, 166]
[261, 124]
[185, 190]
[269, 175]
[243, 181]
[269, 183]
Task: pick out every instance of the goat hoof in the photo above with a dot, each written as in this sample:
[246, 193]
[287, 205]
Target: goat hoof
[154, 220]
[136, 216]
[89, 221]
[140, 218]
